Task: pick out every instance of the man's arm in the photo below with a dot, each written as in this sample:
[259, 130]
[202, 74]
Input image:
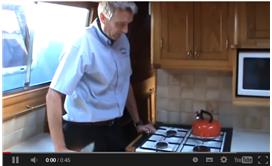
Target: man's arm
[54, 115]
[131, 106]
[133, 111]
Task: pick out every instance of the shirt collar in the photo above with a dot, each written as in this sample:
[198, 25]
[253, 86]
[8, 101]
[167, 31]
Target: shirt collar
[104, 37]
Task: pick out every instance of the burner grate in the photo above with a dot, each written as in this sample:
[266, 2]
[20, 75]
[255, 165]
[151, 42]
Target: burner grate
[179, 140]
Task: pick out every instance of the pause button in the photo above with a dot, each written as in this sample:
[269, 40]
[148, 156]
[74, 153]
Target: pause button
[15, 160]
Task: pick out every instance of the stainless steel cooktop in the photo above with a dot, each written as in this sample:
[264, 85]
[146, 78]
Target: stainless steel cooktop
[179, 139]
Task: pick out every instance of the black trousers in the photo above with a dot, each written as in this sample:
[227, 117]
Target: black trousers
[106, 138]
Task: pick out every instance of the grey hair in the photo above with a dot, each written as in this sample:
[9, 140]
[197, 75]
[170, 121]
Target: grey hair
[108, 8]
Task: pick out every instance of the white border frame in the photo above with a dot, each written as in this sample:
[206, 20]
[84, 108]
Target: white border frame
[249, 92]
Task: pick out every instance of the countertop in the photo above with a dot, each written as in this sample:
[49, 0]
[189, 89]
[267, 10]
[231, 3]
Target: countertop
[41, 143]
[250, 141]
[242, 141]
[38, 143]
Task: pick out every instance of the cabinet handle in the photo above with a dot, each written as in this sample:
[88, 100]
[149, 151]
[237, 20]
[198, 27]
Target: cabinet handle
[189, 53]
[161, 43]
[227, 44]
[196, 54]
[29, 107]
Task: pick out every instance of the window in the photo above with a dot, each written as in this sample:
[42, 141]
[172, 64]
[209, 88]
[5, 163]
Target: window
[14, 45]
[33, 37]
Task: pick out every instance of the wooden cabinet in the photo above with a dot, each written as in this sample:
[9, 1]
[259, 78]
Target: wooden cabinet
[253, 25]
[177, 30]
[191, 35]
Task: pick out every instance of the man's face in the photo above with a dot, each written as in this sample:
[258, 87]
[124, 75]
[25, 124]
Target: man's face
[118, 23]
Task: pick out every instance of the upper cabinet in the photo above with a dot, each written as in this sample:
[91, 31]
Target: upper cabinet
[192, 35]
[253, 28]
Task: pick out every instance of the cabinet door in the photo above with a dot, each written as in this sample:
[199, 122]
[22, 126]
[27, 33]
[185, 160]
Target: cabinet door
[254, 25]
[211, 31]
[177, 30]
[188, 35]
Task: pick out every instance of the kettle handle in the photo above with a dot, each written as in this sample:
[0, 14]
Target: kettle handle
[208, 113]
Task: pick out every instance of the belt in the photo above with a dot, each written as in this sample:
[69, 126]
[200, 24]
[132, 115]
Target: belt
[101, 123]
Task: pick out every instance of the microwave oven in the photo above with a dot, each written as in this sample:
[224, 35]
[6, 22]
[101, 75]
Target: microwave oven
[253, 73]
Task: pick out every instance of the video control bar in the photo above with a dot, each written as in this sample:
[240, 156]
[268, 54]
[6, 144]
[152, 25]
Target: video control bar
[158, 159]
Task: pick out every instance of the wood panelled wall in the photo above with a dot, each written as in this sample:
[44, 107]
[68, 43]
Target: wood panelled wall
[139, 37]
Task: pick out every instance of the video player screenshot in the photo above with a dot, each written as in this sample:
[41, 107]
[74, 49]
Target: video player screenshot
[135, 83]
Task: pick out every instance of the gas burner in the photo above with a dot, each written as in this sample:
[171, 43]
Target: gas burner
[161, 145]
[171, 133]
[200, 148]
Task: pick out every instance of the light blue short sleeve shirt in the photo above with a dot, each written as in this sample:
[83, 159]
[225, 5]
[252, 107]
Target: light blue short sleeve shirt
[94, 74]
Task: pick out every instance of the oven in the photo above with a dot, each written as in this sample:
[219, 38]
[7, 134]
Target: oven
[179, 138]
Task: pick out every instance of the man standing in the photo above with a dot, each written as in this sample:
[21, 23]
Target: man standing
[94, 74]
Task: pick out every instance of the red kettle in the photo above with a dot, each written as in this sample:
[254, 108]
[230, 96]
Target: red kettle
[205, 127]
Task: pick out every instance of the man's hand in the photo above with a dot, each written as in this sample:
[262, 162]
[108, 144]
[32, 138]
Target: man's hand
[147, 128]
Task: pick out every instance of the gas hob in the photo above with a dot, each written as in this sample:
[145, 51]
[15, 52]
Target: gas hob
[178, 138]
